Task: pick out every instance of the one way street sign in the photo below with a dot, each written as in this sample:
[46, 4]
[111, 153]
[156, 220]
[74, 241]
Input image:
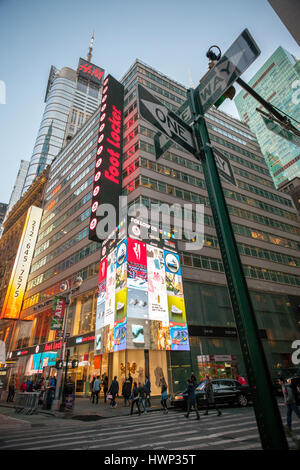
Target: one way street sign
[153, 111]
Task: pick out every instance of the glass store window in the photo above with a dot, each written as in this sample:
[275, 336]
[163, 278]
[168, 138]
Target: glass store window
[87, 314]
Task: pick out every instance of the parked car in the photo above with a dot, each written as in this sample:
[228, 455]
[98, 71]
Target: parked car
[226, 392]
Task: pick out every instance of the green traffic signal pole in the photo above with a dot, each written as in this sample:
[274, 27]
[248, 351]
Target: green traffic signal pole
[265, 405]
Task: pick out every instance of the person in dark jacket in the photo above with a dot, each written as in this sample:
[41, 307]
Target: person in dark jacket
[191, 399]
[126, 391]
[135, 399]
[164, 394]
[147, 388]
[105, 387]
[11, 391]
[141, 389]
[193, 379]
[289, 401]
[29, 385]
[114, 390]
[209, 395]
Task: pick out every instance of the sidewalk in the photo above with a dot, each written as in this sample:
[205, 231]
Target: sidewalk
[84, 410]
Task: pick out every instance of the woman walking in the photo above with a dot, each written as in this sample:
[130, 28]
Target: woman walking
[164, 395]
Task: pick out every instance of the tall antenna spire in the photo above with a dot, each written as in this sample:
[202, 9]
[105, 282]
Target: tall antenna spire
[190, 79]
[91, 48]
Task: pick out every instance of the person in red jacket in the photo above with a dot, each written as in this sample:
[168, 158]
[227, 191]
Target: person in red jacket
[23, 387]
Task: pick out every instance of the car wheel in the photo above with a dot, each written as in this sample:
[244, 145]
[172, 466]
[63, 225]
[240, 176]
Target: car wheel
[242, 400]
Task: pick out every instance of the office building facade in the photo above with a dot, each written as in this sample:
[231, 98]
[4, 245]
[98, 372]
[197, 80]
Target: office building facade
[277, 81]
[265, 225]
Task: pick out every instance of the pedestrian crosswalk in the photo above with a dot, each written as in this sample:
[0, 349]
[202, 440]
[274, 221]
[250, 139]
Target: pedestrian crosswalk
[235, 429]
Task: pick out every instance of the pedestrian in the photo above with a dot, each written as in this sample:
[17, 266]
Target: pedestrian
[113, 390]
[96, 389]
[147, 387]
[241, 380]
[11, 392]
[23, 387]
[105, 386]
[164, 395]
[193, 379]
[135, 399]
[52, 382]
[29, 385]
[289, 401]
[191, 399]
[92, 387]
[209, 395]
[126, 391]
[141, 390]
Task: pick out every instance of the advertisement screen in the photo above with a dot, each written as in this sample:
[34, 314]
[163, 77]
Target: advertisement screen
[140, 298]
[17, 284]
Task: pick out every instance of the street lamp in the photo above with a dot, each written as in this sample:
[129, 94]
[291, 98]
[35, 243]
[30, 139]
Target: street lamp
[67, 296]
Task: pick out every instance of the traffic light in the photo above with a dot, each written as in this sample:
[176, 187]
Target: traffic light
[74, 363]
[228, 94]
[59, 364]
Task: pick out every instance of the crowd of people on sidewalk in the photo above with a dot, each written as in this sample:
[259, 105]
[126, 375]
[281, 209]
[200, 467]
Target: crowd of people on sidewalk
[29, 385]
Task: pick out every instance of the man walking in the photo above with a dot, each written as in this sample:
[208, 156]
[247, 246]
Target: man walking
[290, 401]
[147, 389]
[96, 389]
[113, 390]
[135, 399]
[191, 400]
[126, 391]
[209, 395]
[141, 390]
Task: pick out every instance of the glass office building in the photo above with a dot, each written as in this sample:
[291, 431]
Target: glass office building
[277, 81]
[70, 100]
[264, 221]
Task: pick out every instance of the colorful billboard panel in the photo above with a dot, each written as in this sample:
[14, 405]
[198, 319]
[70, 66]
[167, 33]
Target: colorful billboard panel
[18, 280]
[140, 302]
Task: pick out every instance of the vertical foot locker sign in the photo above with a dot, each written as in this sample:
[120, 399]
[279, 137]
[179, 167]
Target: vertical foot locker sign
[108, 170]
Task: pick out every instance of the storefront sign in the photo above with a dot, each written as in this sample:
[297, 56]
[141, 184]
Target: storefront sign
[18, 280]
[90, 71]
[108, 169]
[218, 331]
[57, 319]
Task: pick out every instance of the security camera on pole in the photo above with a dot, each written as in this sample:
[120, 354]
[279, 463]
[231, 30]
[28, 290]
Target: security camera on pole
[67, 294]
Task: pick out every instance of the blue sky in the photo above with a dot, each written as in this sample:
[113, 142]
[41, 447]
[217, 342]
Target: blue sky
[169, 35]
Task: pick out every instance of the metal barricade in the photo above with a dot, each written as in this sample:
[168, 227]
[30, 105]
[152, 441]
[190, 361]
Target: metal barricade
[27, 402]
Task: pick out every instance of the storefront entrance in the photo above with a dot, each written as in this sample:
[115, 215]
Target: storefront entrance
[217, 366]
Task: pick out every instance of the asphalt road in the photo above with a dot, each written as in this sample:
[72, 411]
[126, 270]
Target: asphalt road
[235, 430]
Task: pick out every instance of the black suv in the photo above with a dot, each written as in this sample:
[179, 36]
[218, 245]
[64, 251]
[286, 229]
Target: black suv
[226, 392]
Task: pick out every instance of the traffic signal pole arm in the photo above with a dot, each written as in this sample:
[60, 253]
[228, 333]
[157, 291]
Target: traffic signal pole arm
[268, 106]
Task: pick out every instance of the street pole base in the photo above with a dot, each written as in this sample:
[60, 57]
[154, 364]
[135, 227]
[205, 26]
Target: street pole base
[55, 405]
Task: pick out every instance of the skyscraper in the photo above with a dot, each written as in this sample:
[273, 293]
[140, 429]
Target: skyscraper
[71, 98]
[19, 184]
[278, 82]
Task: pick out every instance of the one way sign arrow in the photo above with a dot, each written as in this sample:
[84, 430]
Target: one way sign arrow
[153, 111]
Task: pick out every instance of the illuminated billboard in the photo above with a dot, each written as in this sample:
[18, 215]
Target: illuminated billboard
[140, 297]
[16, 288]
[108, 168]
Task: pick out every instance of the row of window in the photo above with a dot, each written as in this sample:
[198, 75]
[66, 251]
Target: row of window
[232, 146]
[62, 157]
[253, 272]
[201, 184]
[199, 199]
[225, 124]
[239, 229]
[65, 203]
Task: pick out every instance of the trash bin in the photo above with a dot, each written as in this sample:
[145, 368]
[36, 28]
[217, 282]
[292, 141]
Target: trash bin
[69, 396]
[48, 398]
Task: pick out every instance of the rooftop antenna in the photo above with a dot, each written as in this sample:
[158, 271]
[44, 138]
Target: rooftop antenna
[190, 79]
[91, 48]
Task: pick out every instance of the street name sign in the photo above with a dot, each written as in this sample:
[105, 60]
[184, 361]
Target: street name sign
[279, 130]
[224, 167]
[167, 122]
[232, 64]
